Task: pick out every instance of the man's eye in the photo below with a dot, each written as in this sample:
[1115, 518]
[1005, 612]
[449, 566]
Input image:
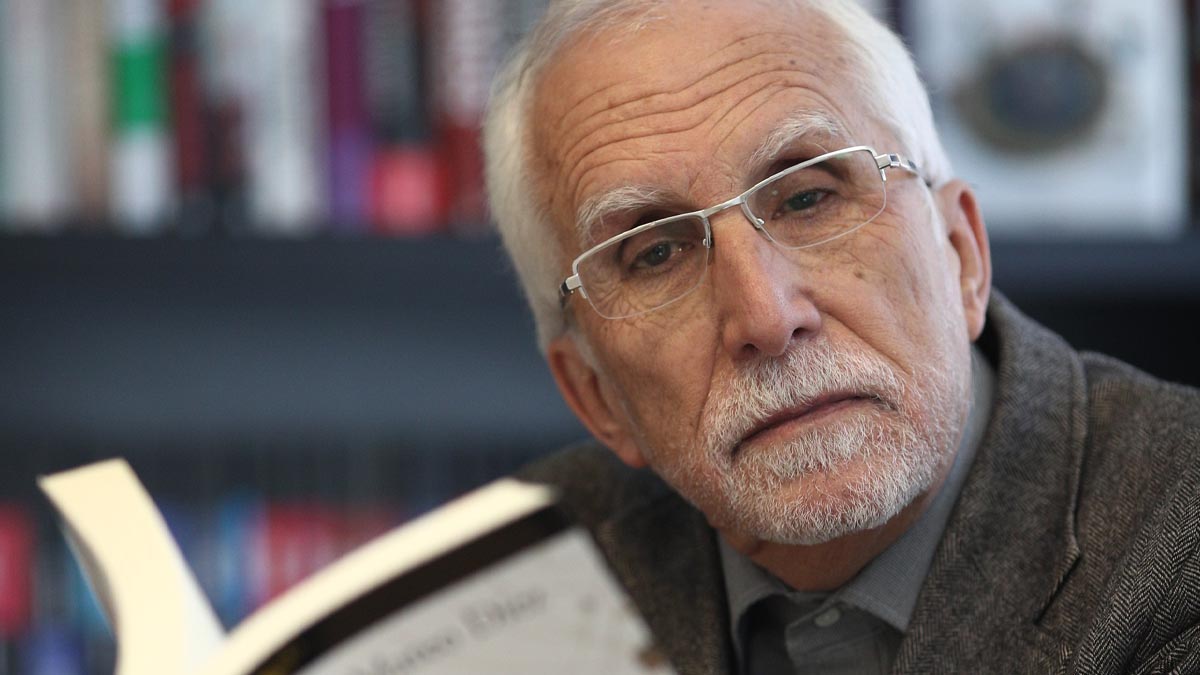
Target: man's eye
[657, 254]
[802, 201]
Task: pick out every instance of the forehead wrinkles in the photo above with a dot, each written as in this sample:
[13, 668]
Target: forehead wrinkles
[603, 119]
[634, 96]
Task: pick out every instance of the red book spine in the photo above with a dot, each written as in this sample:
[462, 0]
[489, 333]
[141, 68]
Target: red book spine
[408, 190]
[469, 39]
[16, 571]
[295, 541]
[408, 184]
[188, 119]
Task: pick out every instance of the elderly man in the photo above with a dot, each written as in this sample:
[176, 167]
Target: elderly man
[753, 273]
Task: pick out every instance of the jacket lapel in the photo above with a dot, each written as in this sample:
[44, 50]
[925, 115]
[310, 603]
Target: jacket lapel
[666, 556]
[1011, 542]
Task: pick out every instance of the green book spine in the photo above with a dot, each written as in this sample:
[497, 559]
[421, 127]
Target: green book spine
[141, 171]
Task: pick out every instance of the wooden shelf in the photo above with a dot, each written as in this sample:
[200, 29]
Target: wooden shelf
[424, 343]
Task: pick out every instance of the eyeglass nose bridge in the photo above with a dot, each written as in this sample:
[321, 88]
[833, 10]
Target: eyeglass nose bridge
[739, 200]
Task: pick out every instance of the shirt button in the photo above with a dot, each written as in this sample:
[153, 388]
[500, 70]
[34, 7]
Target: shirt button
[828, 617]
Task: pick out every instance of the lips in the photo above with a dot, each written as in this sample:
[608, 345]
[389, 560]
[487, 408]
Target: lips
[810, 412]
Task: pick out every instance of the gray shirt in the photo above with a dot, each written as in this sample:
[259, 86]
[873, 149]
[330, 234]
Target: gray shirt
[857, 628]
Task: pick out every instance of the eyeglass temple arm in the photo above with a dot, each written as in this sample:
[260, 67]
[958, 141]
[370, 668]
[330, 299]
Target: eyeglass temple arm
[894, 161]
[568, 287]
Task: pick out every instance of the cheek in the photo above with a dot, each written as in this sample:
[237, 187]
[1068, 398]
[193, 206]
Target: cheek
[662, 367]
[894, 290]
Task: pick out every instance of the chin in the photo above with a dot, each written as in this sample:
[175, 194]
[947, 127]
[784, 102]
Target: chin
[816, 488]
[827, 505]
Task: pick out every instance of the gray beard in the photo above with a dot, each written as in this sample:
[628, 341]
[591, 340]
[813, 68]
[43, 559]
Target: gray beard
[796, 491]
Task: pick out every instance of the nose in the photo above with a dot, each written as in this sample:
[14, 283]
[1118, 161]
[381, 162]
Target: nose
[760, 291]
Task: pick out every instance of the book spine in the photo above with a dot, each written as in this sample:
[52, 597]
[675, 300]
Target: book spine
[227, 34]
[51, 648]
[5, 95]
[408, 190]
[407, 183]
[296, 540]
[33, 120]
[468, 41]
[283, 130]
[237, 521]
[142, 196]
[16, 571]
[87, 85]
[189, 108]
[53, 643]
[349, 149]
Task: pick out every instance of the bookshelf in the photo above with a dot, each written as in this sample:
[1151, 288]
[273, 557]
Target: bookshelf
[423, 343]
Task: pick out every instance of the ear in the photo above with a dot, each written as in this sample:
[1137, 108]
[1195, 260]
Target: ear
[968, 240]
[592, 399]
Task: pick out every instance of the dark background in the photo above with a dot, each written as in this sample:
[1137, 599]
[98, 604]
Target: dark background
[427, 344]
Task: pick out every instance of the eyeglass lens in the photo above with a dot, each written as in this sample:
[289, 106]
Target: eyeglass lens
[635, 274]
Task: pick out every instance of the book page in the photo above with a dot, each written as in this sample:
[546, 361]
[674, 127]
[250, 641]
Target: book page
[160, 617]
[364, 575]
[553, 607]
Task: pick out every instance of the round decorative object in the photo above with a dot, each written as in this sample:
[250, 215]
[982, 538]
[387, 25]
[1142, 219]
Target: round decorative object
[1036, 97]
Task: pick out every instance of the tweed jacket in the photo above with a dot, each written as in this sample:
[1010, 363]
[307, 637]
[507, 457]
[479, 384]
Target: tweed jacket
[1072, 547]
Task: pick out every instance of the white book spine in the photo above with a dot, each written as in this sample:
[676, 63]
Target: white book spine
[141, 181]
[142, 187]
[284, 137]
[33, 121]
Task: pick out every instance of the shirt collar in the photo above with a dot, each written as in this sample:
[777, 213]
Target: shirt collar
[888, 586]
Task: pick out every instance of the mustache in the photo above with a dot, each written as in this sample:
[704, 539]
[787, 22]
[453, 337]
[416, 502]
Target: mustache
[803, 376]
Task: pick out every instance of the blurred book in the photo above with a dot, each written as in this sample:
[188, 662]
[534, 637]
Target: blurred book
[87, 87]
[226, 35]
[5, 93]
[496, 581]
[16, 580]
[467, 48]
[264, 64]
[284, 133]
[408, 191]
[51, 648]
[143, 194]
[349, 141]
[191, 119]
[33, 121]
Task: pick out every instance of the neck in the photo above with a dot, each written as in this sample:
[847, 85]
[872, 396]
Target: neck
[829, 565]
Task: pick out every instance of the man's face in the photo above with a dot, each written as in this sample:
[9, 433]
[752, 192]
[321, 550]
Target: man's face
[795, 395]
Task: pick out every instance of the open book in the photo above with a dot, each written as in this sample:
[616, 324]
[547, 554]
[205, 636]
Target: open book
[497, 581]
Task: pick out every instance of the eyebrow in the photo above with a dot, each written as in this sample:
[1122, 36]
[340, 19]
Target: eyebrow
[627, 198]
[795, 127]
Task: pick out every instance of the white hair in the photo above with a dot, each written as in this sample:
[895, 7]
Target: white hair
[882, 70]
